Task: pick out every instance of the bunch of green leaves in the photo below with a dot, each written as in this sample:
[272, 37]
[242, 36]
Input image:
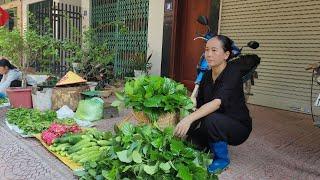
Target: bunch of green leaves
[31, 121]
[3, 100]
[145, 152]
[154, 95]
[66, 121]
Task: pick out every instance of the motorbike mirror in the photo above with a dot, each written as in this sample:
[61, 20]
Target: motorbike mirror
[203, 20]
[253, 44]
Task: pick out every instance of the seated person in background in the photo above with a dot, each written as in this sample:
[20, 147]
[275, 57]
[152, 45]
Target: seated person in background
[10, 75]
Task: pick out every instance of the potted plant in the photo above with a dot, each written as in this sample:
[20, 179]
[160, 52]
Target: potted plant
[74, 50]
[91, 58]
[141, 64]
[24, 50]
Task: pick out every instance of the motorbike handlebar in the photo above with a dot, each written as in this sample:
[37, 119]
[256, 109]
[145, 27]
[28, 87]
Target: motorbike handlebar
[312, 66]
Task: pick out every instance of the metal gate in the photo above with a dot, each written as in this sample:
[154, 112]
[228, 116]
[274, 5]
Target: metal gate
[63, 18]
[107, 18]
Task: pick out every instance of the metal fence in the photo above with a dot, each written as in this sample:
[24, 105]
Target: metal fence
[108, 18]
[65, 22]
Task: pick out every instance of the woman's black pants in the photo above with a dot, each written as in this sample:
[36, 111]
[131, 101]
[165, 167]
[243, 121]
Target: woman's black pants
[217, 127]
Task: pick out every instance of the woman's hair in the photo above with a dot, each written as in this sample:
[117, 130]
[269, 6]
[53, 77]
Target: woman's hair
[4, 62]
[226, 44]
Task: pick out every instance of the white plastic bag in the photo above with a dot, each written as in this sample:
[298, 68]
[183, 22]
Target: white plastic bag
[65, 112]
[42, 99]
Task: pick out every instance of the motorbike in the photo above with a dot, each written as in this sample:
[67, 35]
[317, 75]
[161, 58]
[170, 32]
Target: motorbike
[315, 76]
[246, 62]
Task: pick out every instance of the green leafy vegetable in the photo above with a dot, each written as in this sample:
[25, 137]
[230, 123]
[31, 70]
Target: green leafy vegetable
[131, 156]
[3, 100]
[31, 121]
[154, 96]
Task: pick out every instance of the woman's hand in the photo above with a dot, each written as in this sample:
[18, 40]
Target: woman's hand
[182, 127]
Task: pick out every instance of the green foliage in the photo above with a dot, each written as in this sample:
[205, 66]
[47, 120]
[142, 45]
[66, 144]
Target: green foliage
[129, 155]
[92, 53]
[11, 45]
[28, 47]
[141, 62]
[3, 100]
[154, 96]
[31, 121]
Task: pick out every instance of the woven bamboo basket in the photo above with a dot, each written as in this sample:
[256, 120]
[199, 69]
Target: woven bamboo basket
[69, 96]
[165, 120]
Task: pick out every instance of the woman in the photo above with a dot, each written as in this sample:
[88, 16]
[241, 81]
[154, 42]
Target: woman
[10, 75]
[222, 116]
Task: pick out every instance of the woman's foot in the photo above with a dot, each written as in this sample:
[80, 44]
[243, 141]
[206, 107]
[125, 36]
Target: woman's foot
[221, 157]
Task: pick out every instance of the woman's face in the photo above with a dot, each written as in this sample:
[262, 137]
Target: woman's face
[214, 53]
[4, 70]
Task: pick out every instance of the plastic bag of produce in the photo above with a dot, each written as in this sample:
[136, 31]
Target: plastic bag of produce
[65, 112]
[90, 109]
[42, 99]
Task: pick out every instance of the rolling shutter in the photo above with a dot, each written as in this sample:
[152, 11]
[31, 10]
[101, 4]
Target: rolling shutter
[289, 35]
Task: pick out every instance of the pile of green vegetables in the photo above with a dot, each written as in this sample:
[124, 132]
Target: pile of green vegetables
[3, 100]
[66, 121]
[31, 121]
[82, 147]
[154, 96]
[134, 152]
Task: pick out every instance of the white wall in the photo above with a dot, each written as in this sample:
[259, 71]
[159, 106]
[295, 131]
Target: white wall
[85, 18]
[155, 34]
[72, 2]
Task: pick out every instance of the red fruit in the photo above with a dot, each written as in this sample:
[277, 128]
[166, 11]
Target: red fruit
[74, 128]
[48, 137]
[58, 129]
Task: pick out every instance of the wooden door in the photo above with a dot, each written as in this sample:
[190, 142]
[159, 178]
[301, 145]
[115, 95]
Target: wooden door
[188, 51]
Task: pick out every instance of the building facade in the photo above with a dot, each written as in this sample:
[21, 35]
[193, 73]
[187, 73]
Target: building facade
[287, 30]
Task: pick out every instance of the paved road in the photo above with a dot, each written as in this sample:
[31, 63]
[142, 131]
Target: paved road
[26, 159]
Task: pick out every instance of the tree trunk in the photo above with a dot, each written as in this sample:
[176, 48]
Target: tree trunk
[24, 80]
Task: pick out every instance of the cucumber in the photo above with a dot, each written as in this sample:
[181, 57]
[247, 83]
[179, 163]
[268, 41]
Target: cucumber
[104, 142]
[90, 156]
[76, 146]
[51, 148]
[104, 148]
[66, 148]
[72, 139]
[85, 155]
[63, 154]
[61, 146]
[54, 149]
[79, 147]
[75, 139]
[87, 136]
[86, 150]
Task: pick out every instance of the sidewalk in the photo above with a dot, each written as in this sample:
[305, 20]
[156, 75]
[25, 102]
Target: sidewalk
[26, 159]
[282, 145]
